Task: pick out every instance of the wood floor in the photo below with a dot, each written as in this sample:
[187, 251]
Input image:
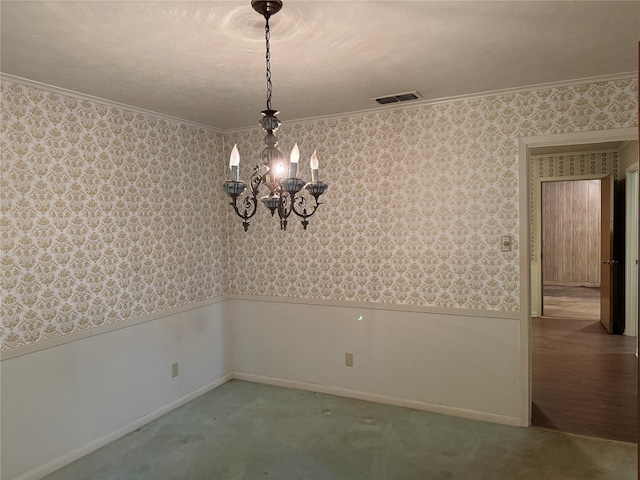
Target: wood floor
[571, 302]
[585, 381]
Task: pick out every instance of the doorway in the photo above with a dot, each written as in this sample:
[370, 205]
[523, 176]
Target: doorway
[574, 357]
[570, 246]
[626, 370]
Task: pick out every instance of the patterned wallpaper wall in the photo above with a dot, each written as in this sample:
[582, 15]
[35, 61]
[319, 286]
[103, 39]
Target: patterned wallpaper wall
[417, 201]
[107, 215]
[628, 156]
[581, 164]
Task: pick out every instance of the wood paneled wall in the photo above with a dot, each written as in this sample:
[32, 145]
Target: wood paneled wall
[571, 232]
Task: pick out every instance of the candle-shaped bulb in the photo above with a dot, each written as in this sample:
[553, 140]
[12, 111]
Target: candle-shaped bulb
[314, 161]
[314, 167]
[234, 162]
[295, 154]
[293, 161]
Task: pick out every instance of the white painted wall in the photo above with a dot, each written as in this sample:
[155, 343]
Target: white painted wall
[64, 401]
[631, 253]
[469, 363]
[536, 291]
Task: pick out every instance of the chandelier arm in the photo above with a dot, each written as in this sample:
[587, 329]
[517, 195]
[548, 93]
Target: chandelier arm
[250, 206]
[249, 203]
[283, 219]
[302, 203]
[256, 180]
[285, 207]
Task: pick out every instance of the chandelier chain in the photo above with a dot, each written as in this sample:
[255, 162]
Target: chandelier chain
[267, 36]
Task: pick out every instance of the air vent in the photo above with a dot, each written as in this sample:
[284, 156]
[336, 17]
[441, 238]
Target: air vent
[398, 97]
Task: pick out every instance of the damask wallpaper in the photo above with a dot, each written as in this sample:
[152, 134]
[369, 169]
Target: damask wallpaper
[417, 201]
[628, 155]
[582, 164]
[109, 215]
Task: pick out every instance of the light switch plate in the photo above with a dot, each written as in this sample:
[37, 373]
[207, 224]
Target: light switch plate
[505, 243]
[348, 359]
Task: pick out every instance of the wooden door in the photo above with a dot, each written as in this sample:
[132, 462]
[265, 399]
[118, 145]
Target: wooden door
[606, 256]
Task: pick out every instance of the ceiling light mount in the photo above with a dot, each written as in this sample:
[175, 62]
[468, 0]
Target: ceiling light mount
[287, 193]
[266, 8]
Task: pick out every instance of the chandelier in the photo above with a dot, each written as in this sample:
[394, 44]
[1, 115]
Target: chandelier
[287, 193]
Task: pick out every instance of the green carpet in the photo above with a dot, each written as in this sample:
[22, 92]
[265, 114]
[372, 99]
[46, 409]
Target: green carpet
[245, 430]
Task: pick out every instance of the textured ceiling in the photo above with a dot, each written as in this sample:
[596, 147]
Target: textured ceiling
[204, 61]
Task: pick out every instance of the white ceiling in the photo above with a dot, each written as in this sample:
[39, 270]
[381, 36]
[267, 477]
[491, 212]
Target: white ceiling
[203, 61]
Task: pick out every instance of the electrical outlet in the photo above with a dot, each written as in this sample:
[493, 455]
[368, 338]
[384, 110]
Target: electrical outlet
[174, 370]
[348, 359]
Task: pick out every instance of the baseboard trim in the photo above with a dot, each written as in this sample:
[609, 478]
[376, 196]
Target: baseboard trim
[42, 471]
[373, 397]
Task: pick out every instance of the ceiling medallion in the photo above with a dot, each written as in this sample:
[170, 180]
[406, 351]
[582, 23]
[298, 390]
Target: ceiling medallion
[287, 193]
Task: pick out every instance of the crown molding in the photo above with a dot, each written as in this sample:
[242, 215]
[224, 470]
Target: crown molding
[437, 101]
[83, 96]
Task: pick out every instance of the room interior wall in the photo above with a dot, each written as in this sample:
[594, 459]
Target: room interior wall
[107, 215]
[571, 232]
[113, 258]
[460, 363]
[418, 200]
[65, 401]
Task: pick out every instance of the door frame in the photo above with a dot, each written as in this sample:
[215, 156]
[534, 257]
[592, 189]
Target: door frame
[525, 144]
[632, 211]
[536, 270]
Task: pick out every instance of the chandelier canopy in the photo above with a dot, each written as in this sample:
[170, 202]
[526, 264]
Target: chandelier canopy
[287, 193]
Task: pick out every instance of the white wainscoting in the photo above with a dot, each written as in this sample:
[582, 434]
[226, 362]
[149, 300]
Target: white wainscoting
[465, 363]
[62, 402]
